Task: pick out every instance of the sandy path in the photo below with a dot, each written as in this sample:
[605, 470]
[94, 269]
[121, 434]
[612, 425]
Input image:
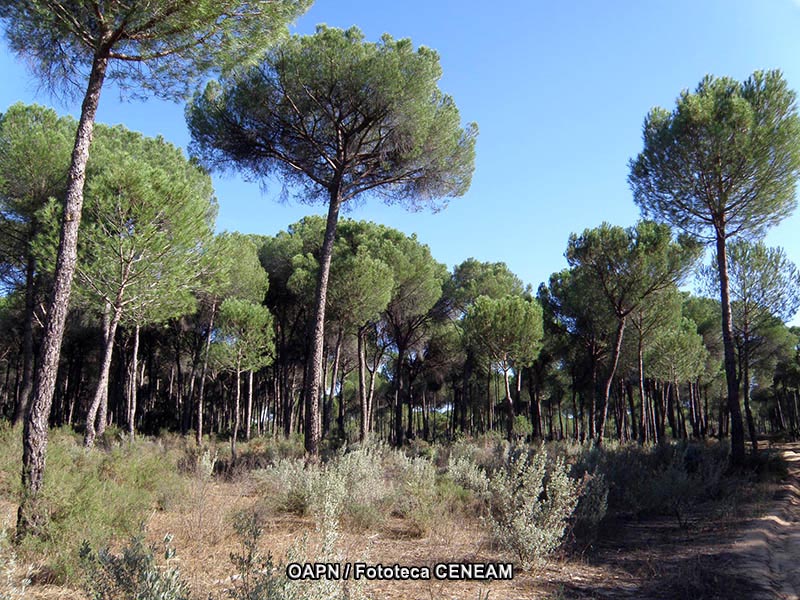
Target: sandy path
[770, 550]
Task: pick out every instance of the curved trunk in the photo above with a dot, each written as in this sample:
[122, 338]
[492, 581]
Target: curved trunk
[362, 387]
[509, 405]
[601, 428]
[737, 427]
[134, 384]
[101, 393]
[34, 440]
[314, 373]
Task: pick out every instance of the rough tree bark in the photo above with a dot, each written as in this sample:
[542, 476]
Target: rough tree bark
[314, 376]
[34, 444]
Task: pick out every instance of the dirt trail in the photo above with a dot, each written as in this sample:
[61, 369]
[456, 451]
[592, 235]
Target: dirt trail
[770, 550]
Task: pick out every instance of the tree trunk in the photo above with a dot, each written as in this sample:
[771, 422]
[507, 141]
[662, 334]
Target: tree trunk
[235, 430]
[509, 405]
[101, 393]
[643, 415]
[249, 405]
[328, 406]
[737, 427]
[36, 424]
[746, 389]
[23, 402]
[362, 387]
[201, 394]
[398, 394]
[607, 392]
[314, 375]
[134, 389]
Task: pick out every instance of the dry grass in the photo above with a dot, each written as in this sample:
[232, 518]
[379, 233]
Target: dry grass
[636, 561]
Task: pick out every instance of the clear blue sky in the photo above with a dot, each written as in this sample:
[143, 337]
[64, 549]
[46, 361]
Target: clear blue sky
[559, 91]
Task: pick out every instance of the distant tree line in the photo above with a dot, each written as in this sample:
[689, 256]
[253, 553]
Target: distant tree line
[173, 327]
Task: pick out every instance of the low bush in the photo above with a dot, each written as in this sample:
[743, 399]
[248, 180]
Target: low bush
[289, 486]
[99, 495]
[368, 491]
[531, 504]
[133, 574]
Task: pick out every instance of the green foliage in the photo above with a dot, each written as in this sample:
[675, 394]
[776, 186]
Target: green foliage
[531, 505]
[677, 353]
[258, 578]
[415, 493]
[290, 486]
[132, 575]
[245, 339]
[508, 330]
[659, 480]
[627, 265]
[402, 134]
[148, 213]
[104, 494]
[158, 47]
[368, 491]
[231, 269]
[464, 472]
[472, 279]
[34, 156]
[744, 134]
[592, 507]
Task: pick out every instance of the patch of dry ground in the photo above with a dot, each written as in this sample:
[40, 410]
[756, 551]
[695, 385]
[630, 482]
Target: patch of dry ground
[723, 552]
[769, 552]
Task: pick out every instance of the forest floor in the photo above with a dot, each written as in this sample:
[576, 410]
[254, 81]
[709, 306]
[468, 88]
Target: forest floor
[744, 549]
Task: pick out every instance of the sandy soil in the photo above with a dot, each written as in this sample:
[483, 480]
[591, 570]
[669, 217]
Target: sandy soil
[747, 550]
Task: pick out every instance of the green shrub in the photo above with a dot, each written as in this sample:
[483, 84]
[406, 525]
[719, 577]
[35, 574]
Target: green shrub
[591, 508]
[658, 480]
[257, 577]
[99, 495]
[415, 493]
[289, 486]
[470, 476]
[531, 504]
[368, 492]
[132, 575]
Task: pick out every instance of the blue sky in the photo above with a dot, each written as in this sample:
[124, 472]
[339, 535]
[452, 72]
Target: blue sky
[559, 91]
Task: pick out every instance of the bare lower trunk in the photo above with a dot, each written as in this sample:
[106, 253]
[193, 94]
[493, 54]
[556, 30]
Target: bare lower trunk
[612, 372]
[237, 396]
[751, 427]
[134, 384]
[249, 405]
[643, 409]
[737, 427]
[101, 393]
[362, 388]
[328, 408]
[201, 394]
[23, 403]
[34, 444]
[509, 405]
[314, 374]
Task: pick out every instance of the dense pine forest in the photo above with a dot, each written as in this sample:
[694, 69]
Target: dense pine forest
[337, 372]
